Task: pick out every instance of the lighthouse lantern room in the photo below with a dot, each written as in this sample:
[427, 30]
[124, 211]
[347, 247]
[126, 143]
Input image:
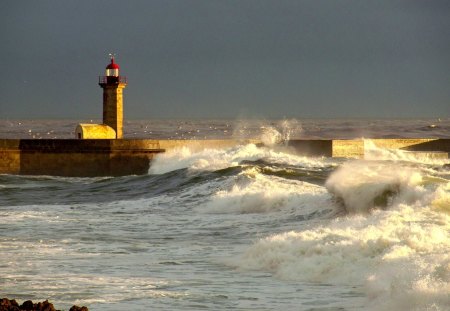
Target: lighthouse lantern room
[112, 70]
[112, 128]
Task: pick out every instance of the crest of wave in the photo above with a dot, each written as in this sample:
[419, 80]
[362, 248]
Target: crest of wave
[215, 159]
[206, 159]
[361, 186]
[252, 192]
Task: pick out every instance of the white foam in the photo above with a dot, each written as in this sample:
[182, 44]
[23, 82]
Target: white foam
[252, 192]
[207, 159]
[364, 185]
[400, 257]
[215, 159]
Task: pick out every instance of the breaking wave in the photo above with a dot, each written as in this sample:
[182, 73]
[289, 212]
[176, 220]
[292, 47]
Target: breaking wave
[393, 241]
[379, 226]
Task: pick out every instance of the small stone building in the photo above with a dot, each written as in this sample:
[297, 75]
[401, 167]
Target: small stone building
[94, 131]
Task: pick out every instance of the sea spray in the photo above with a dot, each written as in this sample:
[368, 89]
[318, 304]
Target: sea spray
[269, 132]
[270, 136]
[290, 128]
[281, 132]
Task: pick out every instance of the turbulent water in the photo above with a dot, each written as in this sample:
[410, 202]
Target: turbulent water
[243, 228]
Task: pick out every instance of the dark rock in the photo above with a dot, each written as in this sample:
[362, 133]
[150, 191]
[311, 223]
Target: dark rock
[9, 305]
[27, 305]
[12, 305]
[45, 306]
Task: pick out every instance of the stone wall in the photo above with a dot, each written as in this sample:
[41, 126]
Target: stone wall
[316, 147]
[348, 148]
[9, 156]
[116, 157]
[76, 158]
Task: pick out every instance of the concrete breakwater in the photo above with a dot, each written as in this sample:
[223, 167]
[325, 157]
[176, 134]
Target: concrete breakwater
[76, 158]
[118, 157]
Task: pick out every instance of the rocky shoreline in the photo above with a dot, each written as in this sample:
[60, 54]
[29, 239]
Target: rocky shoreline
[12, 305]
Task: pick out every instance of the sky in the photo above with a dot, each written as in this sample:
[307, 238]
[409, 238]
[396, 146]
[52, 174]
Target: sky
[227, 58]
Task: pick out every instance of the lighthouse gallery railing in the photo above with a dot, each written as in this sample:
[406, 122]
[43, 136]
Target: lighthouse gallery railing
[111, 79]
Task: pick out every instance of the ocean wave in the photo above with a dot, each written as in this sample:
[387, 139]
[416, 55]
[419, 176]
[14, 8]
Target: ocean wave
[365, 185]
[398, 256]
[216, 159]
[253, 192]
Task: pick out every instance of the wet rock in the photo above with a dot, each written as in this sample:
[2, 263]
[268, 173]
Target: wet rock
[8, 305]
[27, 305]
[45, 306]
[12, 305]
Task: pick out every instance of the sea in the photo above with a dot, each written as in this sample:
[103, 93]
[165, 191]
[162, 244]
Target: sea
[240, 228]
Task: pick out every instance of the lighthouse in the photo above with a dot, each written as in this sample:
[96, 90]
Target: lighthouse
[112, 84]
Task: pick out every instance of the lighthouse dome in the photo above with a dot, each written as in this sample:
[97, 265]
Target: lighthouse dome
[112, 65]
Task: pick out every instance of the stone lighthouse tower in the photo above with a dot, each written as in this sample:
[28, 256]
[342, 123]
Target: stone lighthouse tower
[112, 128]
[113, 84]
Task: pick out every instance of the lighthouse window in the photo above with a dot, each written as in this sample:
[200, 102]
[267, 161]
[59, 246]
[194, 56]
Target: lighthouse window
[112, 72]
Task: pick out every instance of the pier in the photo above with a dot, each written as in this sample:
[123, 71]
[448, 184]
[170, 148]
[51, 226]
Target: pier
[119, 157]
